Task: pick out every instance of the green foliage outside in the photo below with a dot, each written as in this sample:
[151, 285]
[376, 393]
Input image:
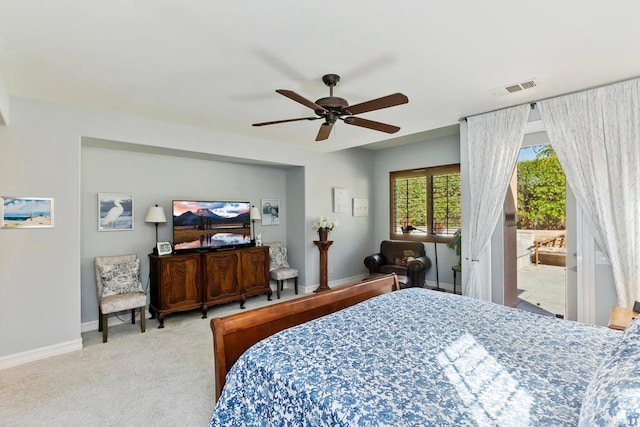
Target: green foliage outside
[412, 203]
[447, 196]
[541, 192]
[411, 207]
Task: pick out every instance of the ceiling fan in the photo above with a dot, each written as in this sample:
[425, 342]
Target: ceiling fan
[332, 108]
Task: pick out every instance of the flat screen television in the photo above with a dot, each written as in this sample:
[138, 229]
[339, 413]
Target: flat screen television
[210, 225]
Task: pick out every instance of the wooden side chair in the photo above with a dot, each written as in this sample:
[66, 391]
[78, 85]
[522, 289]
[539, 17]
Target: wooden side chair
[279, 269]
[119, 288]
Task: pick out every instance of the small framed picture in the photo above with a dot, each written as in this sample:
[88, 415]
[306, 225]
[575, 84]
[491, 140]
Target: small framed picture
[26, 212]
[115, 212]
[360, 207]
[270, 211]
[340, 200]
[164, 248]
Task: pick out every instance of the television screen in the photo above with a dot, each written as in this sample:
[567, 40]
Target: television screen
[210, 225]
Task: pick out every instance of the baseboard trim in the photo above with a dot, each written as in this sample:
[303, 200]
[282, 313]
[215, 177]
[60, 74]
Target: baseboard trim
[40, 353]
[443, 285]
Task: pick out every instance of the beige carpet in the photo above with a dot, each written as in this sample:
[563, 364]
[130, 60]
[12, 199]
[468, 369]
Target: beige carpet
[163, 377]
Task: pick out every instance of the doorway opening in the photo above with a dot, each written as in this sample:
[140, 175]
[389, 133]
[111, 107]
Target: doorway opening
[541, 242]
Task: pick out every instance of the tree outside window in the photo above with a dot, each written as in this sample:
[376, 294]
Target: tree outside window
[425, 203]
[541, 192]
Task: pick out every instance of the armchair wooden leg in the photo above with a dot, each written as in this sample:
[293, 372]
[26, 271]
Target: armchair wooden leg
[133, 316]
[105, 327]
[142, 319]
[278, 287]
[295, 284]
[99, 320]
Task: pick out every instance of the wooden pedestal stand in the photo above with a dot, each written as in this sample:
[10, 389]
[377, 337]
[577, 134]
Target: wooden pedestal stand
[323, 247]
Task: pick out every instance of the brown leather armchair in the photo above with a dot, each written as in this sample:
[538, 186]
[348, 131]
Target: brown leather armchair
[403, 258]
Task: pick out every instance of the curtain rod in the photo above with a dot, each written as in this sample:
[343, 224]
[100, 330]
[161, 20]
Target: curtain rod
[533, 103]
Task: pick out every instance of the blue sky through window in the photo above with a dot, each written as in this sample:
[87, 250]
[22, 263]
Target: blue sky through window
[529, 153]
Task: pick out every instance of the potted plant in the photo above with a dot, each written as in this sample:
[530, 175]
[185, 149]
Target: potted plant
[456, 244]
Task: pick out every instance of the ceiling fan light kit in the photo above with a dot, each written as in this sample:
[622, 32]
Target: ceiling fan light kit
[332, 108]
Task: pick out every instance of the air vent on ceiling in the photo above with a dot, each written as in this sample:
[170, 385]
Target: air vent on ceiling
[516, 87]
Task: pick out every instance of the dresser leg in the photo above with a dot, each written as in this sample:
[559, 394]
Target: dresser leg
[161, 317]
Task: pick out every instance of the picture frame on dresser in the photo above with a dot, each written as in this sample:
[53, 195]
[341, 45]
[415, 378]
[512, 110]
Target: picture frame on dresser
[164, 248]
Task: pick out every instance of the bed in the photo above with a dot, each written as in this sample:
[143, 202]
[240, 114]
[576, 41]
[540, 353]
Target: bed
[417, 357]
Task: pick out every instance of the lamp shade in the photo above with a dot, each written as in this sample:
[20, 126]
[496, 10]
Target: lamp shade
[155, 215]
[254, 213]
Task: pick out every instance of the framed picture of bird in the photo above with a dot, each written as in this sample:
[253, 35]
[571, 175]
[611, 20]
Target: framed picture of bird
[26, 212]
[115, 212]
[270, 211]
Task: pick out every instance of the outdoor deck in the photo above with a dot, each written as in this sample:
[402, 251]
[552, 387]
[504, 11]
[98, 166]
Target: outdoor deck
[541, 289]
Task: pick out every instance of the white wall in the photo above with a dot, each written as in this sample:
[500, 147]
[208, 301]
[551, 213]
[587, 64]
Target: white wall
[296, 221]
[351, 170]
[4, 103]
[41, 269]
[435, 152]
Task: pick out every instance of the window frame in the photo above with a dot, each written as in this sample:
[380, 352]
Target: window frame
[427, 172]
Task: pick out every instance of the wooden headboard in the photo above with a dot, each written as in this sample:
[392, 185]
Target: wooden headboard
[234, 334]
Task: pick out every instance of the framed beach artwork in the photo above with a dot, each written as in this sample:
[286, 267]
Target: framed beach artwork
[270, 211]
[115, 212]
[26, 212]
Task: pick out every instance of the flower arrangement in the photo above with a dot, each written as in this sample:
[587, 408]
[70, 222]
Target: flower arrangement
[324, 223]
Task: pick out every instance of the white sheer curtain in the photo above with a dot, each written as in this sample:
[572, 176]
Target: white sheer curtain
[494, 140]
[596, 135]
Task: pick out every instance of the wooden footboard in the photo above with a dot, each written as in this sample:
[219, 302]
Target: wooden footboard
[234, 334]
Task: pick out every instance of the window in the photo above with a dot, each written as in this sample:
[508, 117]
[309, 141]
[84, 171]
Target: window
[425, 203]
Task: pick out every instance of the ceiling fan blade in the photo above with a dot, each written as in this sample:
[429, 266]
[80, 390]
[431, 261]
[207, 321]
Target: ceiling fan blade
[301, 99]
[284, 121]
[378, 103]
[324, 132]
[370, 124]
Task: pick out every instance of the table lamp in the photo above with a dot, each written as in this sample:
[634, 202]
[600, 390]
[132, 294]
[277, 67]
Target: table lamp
[155, 215]
[254, 214]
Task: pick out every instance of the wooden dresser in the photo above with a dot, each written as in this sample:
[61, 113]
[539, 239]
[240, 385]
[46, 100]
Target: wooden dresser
[188, 281]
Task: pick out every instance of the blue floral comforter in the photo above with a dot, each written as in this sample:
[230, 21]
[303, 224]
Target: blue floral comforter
[417, 357]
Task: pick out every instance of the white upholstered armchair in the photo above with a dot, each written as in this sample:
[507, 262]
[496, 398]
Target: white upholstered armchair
[279, 269]
[119, 288]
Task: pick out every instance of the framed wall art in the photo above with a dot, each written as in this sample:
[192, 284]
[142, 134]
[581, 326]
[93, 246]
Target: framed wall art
[360, 207]
[340, 200]
[26, 212]
[115, 212]
[270, 211]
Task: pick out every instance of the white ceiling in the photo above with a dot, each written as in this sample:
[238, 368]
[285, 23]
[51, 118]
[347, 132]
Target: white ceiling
[216, 64]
